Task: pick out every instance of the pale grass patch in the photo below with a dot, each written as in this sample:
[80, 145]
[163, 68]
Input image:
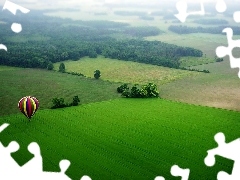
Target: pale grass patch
[125, 71]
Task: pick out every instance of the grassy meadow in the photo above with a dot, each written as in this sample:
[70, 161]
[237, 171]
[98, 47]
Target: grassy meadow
[125, 138]
[46, 85]
[125, 71]
[219, 88]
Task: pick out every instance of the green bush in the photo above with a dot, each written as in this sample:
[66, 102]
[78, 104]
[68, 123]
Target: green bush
[146, 91]
[97, 74]
[59, 102]
[62, 67]
[50, 66]
[122, 88]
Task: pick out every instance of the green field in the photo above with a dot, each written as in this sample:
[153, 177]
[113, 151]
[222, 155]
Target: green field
[125, 71]
[194, 61]
[45, 85]
[219, 88]
[125, 138]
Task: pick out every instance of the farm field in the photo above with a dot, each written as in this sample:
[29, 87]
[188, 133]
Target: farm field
[125, 138]
[194, 61]
[46, 85]
[219, 88]
[125, 71]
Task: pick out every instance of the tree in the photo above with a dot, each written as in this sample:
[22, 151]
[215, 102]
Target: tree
[75, 101]
[146, 91]
[122, 88]
[97, 74]
[62, 67]
[58, 103]
[151, 90]
[50, 66]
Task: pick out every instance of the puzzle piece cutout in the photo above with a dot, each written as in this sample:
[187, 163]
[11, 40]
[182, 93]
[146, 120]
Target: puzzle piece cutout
[16, 27]
[33, 169]
[12, 7]
[222, 51]
[236, 16]
[221, 6]
[2, 46]
[227, 150]
[182, 11]
[177, 171]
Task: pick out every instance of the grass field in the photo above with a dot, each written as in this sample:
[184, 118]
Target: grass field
[219, 88]
[125, 138]
[194, 61]
[125, 71]
[45, 85]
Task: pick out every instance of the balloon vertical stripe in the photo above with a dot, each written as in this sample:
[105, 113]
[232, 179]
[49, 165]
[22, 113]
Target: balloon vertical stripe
[36, 102]
[25, 107]
[28, 106]
[34, 106]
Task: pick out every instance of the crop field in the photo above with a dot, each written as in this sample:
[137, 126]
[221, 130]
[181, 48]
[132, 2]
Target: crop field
[194, 61]
[125, 71]
[46, 85]
[219, 88]
[125, 138]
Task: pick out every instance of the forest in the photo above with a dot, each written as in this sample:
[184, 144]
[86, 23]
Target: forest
[212, 30]
[58, 41]
[211, 21]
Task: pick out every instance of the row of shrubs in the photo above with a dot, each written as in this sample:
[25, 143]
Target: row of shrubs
[76, 74]
[204, 70]
[146, 91]
[59, 102]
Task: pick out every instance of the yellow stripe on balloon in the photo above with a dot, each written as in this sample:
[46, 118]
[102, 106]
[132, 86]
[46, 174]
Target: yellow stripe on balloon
[34, 105]
[25, 106]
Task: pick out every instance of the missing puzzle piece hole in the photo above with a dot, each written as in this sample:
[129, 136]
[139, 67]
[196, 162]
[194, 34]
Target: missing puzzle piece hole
[236, 53]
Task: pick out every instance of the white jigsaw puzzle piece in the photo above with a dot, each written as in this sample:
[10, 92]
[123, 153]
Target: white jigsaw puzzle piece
[2, 46]
[12, 7]
[226, 150]
[177, 171]
[33, 169]
[182, 10]
[236, 16]
[35, 165]
[85, 178]
[222, 51]
[7, 163]
[3, 126]
[221, 6]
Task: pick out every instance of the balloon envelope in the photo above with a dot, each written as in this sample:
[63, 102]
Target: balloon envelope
[28, 106]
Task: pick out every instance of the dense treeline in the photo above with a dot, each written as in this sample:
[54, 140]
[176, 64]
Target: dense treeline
[143, 31]
[58, 42]
[212, 30]
[211, 21]
[150, 52]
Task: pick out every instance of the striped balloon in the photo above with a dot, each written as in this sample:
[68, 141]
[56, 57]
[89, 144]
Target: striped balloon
[28, 106]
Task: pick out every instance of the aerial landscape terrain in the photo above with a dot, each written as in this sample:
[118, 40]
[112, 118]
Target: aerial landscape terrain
[125, 89]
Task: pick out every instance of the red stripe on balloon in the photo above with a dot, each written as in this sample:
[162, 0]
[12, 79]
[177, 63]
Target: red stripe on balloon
[20, 104]
[36, 102]
[29, 107]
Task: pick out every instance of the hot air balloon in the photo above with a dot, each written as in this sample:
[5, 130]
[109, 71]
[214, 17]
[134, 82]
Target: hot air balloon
[28, 106]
